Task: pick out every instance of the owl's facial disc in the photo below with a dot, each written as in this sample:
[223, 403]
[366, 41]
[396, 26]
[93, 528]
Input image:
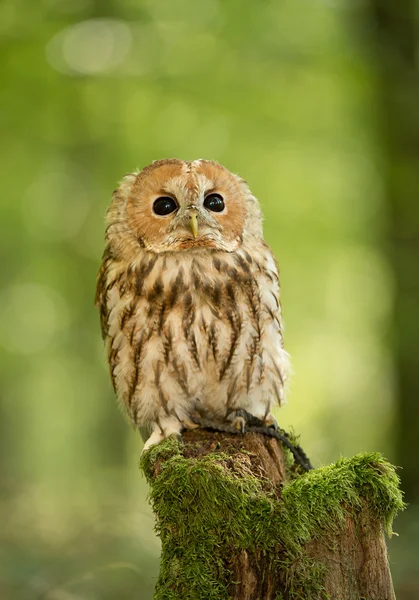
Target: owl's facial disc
[176, 205]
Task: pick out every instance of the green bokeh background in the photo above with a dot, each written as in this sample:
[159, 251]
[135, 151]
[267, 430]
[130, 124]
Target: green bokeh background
[284, 93]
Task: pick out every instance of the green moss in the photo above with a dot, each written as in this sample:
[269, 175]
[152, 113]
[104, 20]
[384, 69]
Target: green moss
[208, 511]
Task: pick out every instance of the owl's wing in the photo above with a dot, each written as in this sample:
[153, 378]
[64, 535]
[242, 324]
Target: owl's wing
[101, 291]
[277, 356]
[272, 270]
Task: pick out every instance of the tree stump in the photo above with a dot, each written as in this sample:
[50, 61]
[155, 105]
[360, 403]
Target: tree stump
[238, 520]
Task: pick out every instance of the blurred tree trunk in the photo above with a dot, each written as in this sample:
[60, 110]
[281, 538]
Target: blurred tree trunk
[397, 55]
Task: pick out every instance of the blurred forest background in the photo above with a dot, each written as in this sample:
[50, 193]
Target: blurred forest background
[316, 104]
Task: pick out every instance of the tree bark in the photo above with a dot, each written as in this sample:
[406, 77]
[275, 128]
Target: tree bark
[238, 521]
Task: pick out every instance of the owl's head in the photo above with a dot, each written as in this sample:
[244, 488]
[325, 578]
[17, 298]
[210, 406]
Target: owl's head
[175, 205]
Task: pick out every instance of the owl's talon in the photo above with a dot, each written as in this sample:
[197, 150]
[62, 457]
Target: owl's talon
[191, 422]
[178, 437]
[155, 438]
[239, 420]
[271, 423]
[240, 424]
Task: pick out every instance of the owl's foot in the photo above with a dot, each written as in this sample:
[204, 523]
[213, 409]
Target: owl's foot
[154, 438]
[189, 423]
[238, 420]
[170, 427]
[271, 422]
[268, 420]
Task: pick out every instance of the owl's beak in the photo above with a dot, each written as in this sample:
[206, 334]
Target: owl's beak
[194, 224]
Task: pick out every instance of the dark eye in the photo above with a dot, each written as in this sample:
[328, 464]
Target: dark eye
[214, 202]
[164, 205]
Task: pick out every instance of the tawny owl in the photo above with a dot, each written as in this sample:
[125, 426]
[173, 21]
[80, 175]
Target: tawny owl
[188, 294]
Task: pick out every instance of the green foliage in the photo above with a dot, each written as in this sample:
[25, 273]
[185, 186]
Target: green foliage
[208, 511]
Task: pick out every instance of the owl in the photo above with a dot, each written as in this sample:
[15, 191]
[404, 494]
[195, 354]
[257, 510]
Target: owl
[188, 294]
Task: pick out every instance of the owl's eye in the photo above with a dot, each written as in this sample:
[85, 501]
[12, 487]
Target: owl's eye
[214, 202]
[164, 206]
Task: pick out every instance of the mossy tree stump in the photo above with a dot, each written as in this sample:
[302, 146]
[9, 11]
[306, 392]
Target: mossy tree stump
[237, 519]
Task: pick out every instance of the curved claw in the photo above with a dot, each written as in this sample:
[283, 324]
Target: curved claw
[271, 422]
[177, 436]
[239, 420]
[240, 424]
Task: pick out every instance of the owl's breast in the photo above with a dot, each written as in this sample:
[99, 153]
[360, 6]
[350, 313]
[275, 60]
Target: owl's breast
[194, 331]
